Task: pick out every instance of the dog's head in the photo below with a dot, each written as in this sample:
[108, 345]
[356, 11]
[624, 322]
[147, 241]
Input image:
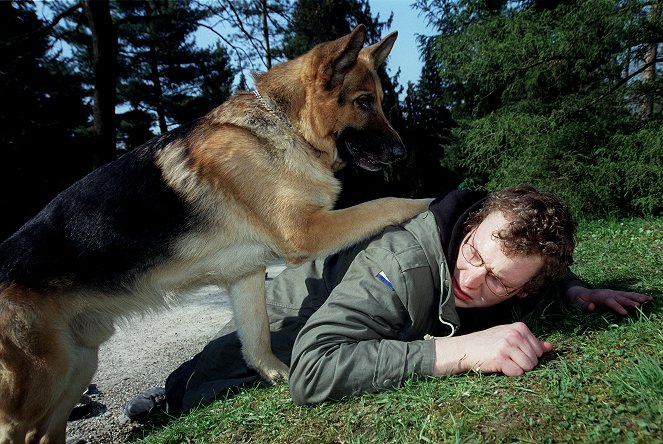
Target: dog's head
[342, 112]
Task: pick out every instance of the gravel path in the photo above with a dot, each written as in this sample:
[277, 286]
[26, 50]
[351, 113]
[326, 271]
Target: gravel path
[143, 353]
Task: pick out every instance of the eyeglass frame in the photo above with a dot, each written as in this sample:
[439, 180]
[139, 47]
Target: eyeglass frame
[476, 253]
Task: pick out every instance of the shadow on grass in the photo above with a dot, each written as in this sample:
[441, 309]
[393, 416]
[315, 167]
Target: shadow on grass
[159, 421]
[567, 319]
[154, 423]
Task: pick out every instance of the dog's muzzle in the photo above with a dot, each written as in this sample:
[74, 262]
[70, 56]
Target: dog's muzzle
[369, 149]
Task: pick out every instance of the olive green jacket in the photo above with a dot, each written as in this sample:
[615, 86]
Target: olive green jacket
[369, 333]
[381, 307]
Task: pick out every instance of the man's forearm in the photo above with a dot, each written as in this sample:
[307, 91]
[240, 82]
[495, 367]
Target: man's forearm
[319, 373]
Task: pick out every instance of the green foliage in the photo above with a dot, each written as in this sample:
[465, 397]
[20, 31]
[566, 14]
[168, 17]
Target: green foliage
[43, 118]
[636, 160]
[552, 93]
[339, 18]
[164, 79]
[165, 75]
[594, 171]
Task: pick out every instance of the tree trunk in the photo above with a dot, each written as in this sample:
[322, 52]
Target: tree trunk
[648, 75]
[104, 51]
[158, 91]
[265, 35]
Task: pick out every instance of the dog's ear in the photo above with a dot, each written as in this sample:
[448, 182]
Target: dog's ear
[378, 52]
[349, 46]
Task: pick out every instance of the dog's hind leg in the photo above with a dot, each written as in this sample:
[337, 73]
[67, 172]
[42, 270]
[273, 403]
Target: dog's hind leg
[43, 371]
[83, 364]
[51, 428]
[248, 301]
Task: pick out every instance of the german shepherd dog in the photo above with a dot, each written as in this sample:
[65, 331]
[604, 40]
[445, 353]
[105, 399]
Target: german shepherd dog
[211, 202]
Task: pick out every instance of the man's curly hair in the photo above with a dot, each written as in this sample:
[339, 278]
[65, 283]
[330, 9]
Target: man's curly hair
[539, 223]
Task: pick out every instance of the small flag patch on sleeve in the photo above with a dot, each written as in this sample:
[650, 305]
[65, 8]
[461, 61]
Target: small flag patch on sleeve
[383, 278]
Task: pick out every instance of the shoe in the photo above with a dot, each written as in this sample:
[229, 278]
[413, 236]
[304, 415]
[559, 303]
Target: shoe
[142, 405]
[81, 409]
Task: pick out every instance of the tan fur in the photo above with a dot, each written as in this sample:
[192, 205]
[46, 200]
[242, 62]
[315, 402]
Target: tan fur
[262, 182]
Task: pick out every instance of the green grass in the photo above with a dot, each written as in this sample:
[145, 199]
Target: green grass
[603, 383]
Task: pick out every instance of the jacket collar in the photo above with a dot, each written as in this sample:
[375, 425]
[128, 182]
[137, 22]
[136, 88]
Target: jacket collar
[424, 229]
[440, 236]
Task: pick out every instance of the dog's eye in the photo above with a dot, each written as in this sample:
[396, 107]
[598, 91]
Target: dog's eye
[365, 103]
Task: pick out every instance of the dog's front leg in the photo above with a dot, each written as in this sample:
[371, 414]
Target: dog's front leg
[325, 231]
[248, 302]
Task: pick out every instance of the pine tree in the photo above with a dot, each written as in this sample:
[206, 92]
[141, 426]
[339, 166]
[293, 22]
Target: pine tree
[340, 17]
[256, 31]
[163, 78]
[551, 93]
[43, 141]
[163, 74]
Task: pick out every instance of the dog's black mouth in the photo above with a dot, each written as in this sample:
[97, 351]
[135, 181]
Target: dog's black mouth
[349, 151]
[368, 149]
[369, 164]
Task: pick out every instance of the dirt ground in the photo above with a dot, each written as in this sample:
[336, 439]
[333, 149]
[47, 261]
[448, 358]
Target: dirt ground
[142, 354]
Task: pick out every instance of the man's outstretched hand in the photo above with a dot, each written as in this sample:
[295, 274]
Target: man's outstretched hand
[618, 301]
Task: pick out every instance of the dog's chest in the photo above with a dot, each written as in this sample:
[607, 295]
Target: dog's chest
[200, 262]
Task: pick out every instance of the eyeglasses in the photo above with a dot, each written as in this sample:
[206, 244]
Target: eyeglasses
[472, 256]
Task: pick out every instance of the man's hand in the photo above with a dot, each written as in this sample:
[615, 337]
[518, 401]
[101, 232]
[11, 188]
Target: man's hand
[510, 349]
[617, 301]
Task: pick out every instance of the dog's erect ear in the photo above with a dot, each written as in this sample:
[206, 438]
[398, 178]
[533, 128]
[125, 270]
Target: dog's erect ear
[379, 51]
[350, 45]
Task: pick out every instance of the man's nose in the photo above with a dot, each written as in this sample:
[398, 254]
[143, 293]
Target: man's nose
[474, 277]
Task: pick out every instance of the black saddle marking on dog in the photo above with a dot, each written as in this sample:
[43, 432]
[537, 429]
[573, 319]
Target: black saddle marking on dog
[104, 230]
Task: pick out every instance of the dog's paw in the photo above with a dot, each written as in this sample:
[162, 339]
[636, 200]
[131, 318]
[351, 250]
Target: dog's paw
[413, 207]
[273, 370]
[425, 203]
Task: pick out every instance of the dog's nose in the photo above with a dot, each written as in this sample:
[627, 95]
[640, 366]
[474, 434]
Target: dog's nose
[398, 151]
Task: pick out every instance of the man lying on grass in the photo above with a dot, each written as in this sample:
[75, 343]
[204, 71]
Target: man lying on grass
[431, 297]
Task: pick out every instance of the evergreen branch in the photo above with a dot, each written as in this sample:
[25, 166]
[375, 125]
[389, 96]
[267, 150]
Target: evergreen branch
[259, 49]
[44, 29]
[614, 88]
[235, 48]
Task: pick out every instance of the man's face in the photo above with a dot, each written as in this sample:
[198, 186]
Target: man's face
[475, 286]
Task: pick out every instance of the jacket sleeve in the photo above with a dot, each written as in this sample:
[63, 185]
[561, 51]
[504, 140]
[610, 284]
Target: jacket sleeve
[570, 280]
[361, 340]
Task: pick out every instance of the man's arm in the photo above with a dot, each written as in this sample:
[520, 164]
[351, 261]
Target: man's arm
[356, 342]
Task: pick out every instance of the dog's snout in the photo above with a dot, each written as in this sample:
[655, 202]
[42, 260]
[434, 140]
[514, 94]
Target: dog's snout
[398, 151]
